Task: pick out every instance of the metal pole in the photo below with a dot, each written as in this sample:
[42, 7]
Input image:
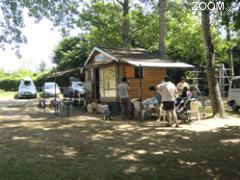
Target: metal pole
[55, 94]
[140, 90]
[44, 99]
[232, 65]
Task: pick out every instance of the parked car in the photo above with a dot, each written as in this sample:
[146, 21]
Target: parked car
[27, 88]
[75, 89]
[49, 89]
[234, 93]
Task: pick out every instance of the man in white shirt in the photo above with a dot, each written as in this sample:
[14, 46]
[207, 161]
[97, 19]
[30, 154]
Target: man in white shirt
[181, 85]
[124, 98]
[169, 92]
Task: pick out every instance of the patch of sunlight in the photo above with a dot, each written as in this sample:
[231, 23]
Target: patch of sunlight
[211, 124]
[126, 134]
[98, 137]
[152, 143]
[20, 138]
[185, 137]
[84, 131]
[130, 169]
[187, 163]
[143, 138]
[161, 133]
[107, 131]
[166, 151]
[88, 118]
[46, 155]
[230, 141]
[131, 157]
[158, 152]
[69, 151]
[144, 129]
[175, 152]
[47, 129]
[117, 151]
[140, 152]
[125, 127]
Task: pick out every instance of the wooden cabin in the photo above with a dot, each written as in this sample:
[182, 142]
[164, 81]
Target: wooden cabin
[105, 68]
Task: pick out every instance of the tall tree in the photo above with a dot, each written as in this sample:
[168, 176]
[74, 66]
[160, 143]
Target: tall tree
[162, 28]
[42, 66]
[102, 24]
[126, 22]
[71, 52]
[214, 91]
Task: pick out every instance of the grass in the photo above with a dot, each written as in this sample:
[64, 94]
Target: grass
[7, 94]
[36, 145]
[207, 110]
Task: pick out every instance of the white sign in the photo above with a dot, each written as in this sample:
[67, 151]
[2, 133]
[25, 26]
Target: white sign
[100, 58]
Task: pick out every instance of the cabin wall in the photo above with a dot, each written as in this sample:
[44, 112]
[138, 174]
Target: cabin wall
[151, 77]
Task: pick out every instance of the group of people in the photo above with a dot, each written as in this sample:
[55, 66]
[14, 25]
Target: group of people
[169, 93]
[166, 92]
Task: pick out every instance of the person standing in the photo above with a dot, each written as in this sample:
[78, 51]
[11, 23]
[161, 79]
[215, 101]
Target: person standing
[169, 92]
[124, 98]
[181, 85]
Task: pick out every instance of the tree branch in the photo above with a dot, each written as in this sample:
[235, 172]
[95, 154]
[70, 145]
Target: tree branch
[105, 25]
[120, 2]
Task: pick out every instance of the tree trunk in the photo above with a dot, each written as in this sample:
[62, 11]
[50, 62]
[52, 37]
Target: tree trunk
[126, 22]
[161, 28]
[214, 92]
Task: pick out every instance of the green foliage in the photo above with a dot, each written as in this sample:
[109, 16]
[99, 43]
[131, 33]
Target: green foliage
[102, 22]
[101, 25]
[42, 66]
[145, 29]
[11, 81]
[70, 53]
[61, 13]
[184, 36]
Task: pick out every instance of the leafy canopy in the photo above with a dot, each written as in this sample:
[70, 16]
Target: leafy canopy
[70, 53]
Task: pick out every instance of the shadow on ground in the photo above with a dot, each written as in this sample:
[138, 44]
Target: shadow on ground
[36, 145]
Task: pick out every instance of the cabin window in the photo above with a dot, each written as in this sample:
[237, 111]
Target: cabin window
[138, 72]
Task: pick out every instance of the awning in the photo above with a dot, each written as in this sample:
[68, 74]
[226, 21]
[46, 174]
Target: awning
[160, 64]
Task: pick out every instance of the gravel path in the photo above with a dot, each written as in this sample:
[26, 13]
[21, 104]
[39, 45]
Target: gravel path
[17, 102]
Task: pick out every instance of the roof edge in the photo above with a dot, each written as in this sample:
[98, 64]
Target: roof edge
[101, 51]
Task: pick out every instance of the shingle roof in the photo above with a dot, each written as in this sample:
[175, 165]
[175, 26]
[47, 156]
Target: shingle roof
[132, 54]
[138, 56]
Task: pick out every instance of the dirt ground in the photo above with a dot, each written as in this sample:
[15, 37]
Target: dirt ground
[37, 145]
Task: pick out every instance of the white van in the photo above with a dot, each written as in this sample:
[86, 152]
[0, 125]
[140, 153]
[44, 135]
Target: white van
[234, 93]
[27, 88]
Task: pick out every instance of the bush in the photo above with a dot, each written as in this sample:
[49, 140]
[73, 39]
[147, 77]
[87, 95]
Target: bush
[11, 81]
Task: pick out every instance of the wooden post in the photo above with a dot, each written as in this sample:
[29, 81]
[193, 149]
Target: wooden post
[55, 94]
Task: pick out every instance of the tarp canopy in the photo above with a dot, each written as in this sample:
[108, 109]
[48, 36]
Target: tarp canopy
[159, 64]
